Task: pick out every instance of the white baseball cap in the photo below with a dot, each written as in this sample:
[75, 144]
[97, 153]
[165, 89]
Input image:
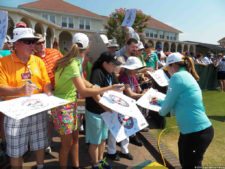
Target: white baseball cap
[132, 63]
[82, 39]
[23, 33]
[140, 45]
[174, 58]
[104, 39]
[112, 43]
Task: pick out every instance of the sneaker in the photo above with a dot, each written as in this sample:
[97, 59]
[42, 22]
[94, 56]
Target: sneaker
[104, 164]
[136, 141]
[114, 157]
[82, 127]
[127, 156]
[48, 150]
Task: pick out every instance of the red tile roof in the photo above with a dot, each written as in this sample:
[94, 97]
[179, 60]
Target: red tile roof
[156, 24]
[65, 7]
[59, 6]
[223, 39]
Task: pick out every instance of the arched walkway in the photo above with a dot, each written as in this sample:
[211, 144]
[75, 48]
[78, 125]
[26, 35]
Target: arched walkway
[38, 28]
[192, 49]
[179, 48]
[185, 48]
[65, 41]
[173, 47]
[27, 21]
[49, 37]
[166, 47]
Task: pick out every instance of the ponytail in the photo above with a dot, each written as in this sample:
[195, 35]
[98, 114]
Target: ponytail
[190, 66]
[67, 59]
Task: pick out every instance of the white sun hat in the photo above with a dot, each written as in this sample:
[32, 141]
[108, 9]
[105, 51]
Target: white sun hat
[23, 33]
[174, 58]
[140, 45]
[132, 63]
[82, 39]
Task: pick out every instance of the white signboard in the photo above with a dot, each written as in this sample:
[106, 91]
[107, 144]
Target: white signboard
[120, 103]
[129, 18]
[160, 77]
[145, 100]
[22, 107]
[3, 27]
[121, 126]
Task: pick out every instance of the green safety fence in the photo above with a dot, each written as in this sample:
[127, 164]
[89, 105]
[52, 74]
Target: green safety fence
[208, 77]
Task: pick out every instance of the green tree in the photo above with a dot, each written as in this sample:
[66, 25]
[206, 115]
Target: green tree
[115, 30]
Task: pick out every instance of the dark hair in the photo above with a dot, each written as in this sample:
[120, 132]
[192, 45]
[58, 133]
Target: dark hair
[148, 45]
[104, 57]
[131, 40]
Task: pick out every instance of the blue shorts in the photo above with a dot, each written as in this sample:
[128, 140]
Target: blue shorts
[96, 130]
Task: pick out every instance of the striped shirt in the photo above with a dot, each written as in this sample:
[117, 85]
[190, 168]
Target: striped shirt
[50, 58]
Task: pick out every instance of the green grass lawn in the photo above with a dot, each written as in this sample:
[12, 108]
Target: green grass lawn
[214, 102]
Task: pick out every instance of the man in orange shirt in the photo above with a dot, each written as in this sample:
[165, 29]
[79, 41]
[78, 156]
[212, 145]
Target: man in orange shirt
[15, 71]
[48, 55]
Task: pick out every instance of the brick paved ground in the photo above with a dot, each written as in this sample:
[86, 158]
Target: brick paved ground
[140, 154]
[147, 152]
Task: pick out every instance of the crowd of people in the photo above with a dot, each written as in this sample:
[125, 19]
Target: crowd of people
[28, 67]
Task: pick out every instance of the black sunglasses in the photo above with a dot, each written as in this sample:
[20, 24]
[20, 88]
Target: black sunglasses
[28, 41]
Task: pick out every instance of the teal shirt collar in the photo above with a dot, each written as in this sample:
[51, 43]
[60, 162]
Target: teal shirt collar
[182, 69]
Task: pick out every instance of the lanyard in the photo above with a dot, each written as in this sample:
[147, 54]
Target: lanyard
[109, 79]
[27, 68]
[131, 83]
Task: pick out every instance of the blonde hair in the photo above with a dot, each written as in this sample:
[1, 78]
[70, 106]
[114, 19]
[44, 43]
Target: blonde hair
[67, 59]
[190, 66]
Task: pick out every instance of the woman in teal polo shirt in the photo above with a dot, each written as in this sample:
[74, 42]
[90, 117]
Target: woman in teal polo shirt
[184, 99]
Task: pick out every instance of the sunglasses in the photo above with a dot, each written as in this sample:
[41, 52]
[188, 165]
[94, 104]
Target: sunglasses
[28, 41]
[40, 43]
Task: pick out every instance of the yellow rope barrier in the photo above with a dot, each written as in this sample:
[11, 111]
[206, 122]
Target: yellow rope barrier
[158, 143]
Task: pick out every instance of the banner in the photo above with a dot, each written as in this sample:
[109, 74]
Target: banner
[129, 18]
[22, 107]
[3, 27]
[122, 126]
[145, 100]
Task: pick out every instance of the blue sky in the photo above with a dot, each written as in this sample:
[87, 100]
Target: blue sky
[199, 20]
